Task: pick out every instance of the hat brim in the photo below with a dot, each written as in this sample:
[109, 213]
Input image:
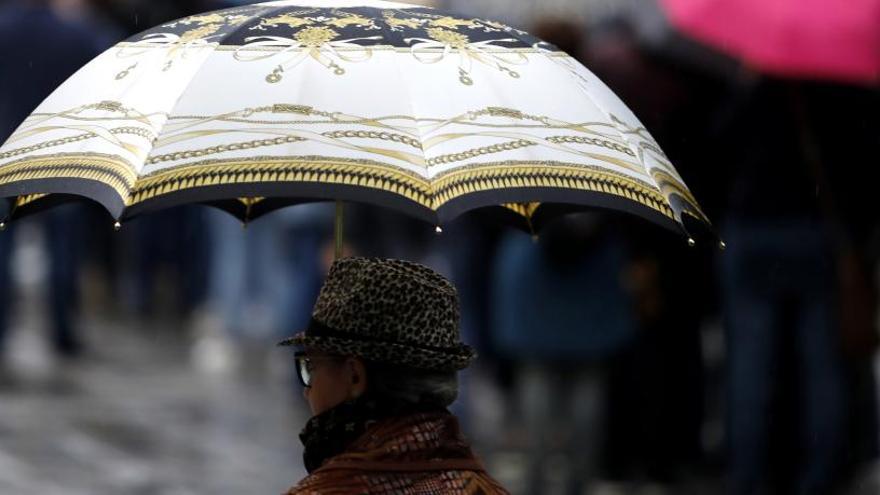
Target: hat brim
[452, 359]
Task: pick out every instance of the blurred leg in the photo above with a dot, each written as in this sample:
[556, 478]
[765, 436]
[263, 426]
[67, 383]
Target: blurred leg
[63, 225]
[750, 320]
[304, 276]
[534, 394]
[7, 292]
[267, 279]
[193, 254]
[227, 276]
[822, 393]
[587, 407]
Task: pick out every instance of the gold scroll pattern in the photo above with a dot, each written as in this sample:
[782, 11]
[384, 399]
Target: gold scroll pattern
[204, 31]
[317, 37]
[318, 43]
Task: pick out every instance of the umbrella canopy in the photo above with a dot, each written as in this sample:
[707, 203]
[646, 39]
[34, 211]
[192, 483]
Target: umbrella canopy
[825, 39]
[265, 105]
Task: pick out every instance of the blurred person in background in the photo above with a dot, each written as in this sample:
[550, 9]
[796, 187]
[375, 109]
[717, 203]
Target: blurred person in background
[857, 251]
[245, 279]
[43, 43]
[263, 280]
[379, 363]
[797, 299]
[306, 242]
[560, 312]
[468, 245]
[641, 354]
[160, 263]
[656, 386]
[795, 293]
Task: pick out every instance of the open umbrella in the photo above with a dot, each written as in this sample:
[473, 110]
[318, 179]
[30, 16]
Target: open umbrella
[266, 105]
[821, 39]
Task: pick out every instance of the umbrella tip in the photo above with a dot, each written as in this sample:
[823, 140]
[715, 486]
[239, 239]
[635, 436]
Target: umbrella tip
[535, 238]
[691, 242]
[438, 229]
[722, 245]
[117, 225]
[2, 225]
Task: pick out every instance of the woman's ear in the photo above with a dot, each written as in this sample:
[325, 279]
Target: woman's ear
[357, 373]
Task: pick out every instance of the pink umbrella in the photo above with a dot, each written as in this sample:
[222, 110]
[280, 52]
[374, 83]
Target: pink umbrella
[821, 39]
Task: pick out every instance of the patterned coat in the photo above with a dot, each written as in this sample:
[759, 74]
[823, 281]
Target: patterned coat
[421, 454]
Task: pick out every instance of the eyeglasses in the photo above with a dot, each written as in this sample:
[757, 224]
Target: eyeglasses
[306, 364]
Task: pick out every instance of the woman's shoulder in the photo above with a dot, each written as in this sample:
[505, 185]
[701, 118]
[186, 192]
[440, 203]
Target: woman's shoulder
[329, 483]
[355, 481]
[410, 455]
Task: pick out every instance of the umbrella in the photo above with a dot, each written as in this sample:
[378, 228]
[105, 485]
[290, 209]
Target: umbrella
[271, 104]
[823, 39]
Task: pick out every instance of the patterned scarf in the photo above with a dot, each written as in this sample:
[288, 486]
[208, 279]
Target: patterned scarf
[331, 432]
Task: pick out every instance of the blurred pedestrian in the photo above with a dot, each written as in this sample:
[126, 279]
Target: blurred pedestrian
[656, 397]
[559, 313]
[786, 408]
[379, 364]
[28, 73]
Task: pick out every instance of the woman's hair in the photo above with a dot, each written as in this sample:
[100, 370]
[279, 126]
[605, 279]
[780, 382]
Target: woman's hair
[409, 386]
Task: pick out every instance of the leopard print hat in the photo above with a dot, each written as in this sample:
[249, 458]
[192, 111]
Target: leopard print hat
[389, 311]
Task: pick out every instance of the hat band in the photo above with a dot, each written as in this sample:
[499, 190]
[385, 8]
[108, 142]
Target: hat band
[318, 329]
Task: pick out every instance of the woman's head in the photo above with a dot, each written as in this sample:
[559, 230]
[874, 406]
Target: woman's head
[330, 380]
[387, 327]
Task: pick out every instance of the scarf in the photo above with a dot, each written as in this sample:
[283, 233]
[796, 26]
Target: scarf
[328, 434]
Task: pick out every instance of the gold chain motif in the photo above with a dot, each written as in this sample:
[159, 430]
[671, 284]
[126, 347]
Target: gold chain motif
[222, 148]
[384, 136]
[484, 150]
[604, 143]
[136, 131]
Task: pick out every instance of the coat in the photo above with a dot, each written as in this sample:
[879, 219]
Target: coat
[420, 454]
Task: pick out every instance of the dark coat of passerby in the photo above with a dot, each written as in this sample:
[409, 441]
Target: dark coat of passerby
[379, 364]
[28, 74]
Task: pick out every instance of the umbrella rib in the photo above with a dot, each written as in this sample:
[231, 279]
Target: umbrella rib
[596, 104]
[623, 137]
[410, 99]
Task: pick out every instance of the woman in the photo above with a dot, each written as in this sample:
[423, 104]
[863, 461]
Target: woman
[379, 363]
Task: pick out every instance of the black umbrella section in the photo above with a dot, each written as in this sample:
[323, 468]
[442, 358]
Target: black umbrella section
[362, 26]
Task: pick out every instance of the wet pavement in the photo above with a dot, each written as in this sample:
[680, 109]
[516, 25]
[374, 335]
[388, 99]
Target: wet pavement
[135, 416]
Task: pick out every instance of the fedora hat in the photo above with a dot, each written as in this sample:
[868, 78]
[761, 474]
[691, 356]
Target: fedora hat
[389, 311]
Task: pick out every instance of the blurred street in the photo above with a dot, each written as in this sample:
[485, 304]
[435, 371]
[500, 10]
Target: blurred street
[138, 418]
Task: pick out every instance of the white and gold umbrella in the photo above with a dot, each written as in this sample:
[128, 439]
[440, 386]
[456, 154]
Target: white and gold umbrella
[270, 104]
